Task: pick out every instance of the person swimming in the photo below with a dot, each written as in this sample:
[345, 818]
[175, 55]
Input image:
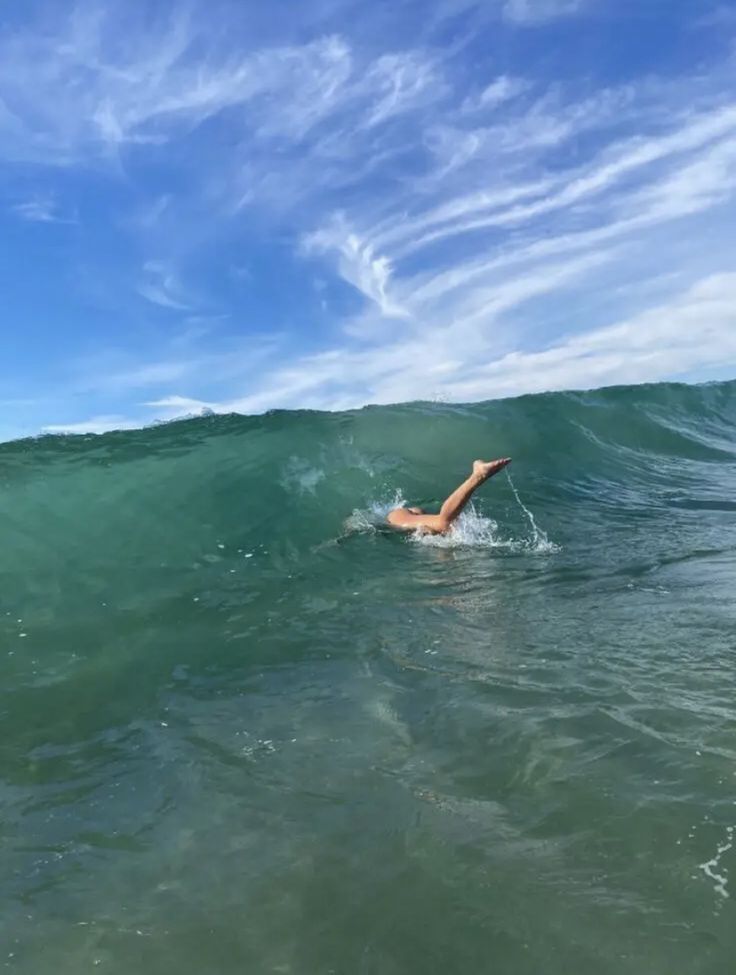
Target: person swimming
[415, 519]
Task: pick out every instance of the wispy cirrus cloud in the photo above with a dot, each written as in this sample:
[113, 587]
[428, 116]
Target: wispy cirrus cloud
[161, 286]
[78, 92]
[38, 209]
[695, 330]
[501, 89]
[528, 12]
[94, 424]
[478, 224]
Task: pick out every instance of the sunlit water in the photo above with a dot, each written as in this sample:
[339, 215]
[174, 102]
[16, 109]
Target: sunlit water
[246, 728]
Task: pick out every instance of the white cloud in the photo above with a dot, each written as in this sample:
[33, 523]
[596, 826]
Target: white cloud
[40, 208]
[184, 403]
[619, 162]
[81, 93]
[85, 95]
[400, 83]
[149, 374]
[695, 329]
[95, 424]
[477, 212]
[218, 362]
[161, 286]
[357, 264]
[532, 12]
[501, 89]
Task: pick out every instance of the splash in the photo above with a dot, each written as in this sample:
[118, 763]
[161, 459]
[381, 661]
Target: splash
[300, 476]
[373, 517]
[471, 529]
[475, 530]
[539, 542]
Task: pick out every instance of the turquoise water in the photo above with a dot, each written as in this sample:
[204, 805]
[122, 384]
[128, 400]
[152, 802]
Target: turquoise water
[244, 729]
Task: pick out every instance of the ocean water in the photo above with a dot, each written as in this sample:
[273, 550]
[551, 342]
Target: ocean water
[247, 729]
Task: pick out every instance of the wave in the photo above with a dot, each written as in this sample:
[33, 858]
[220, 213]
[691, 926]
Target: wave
[293, 480]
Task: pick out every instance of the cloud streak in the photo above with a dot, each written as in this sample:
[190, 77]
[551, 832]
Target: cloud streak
[38, 209]
[476, 228]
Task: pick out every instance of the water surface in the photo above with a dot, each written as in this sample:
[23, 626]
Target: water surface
[245, 731]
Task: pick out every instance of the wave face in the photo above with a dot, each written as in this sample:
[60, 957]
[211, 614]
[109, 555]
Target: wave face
[244, 724]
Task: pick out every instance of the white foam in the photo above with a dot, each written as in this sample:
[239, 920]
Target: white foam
[710, 867]
[474, 530]
[471, 530]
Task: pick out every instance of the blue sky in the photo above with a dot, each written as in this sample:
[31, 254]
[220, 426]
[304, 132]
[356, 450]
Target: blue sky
[252, 205]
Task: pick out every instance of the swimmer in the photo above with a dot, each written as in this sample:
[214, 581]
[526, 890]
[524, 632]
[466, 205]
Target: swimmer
[414, 519]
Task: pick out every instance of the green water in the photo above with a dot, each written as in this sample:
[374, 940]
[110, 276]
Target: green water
[245, 732]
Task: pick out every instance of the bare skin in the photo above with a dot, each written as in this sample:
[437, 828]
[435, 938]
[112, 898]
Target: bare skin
[414, 519]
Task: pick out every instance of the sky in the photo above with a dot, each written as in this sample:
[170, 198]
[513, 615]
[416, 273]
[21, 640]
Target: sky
[243, 206]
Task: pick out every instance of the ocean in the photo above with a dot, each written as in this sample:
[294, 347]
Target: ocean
[246, 729]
